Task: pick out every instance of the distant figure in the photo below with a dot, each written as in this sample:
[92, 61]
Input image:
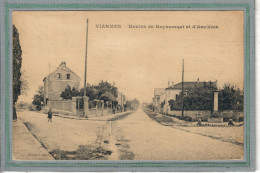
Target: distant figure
[50, 115]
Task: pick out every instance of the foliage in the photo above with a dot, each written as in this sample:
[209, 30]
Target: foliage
[24, 83]
[17, 63]
[104, 86]
[198, 98]
[21, 105]
[38, 98]
[150, 106]
[103, 91]
[68, 93]
[162, 104]
[231, 98]
[202, 98]
[107, 96]
[91, 92]
[133, 104]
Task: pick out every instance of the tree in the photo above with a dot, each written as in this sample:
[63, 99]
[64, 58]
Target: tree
[198, 98]
[107, 96]
[24, 83]
[135, 104]
[103, 91]
[231, 98]
[38, 98]
[68, 93]
[17, 63]
[91, 92]
[202, 98]
[103, 87]
[21, 105]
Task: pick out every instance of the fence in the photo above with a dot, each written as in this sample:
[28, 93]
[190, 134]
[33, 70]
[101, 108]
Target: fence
[204, 115]
[75, 107]
[235, 115]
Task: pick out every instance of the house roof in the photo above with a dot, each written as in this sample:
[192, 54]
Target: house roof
[63, 67]
[188, 85]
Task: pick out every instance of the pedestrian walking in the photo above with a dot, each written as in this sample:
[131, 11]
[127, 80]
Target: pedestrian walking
[50, 115]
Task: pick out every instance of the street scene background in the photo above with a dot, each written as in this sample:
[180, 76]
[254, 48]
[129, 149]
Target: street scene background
[159, 85]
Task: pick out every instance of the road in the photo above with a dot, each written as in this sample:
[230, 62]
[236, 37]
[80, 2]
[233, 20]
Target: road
[135, 137]
[149, 140]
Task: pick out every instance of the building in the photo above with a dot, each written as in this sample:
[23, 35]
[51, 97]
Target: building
[156, 99]
[171, 93]
[57, 81]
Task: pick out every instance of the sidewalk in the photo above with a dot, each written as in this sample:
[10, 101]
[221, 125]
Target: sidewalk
[26, 146]
[98, 118]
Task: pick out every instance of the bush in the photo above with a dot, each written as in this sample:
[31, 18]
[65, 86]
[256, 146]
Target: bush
[31, 107]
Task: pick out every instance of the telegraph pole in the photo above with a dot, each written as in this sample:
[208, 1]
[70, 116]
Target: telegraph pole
[85, 76]
[182, 86]
[48, 86]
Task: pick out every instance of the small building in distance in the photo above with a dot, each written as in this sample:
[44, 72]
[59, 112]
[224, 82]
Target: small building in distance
[156, 99]
[57, 81]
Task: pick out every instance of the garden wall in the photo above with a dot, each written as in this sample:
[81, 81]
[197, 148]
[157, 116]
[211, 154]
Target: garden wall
[235, 115]
[194, 115]
[62, 105]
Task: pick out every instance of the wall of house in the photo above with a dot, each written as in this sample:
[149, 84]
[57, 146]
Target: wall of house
[57, 81]
[172, 94]
[162, 97]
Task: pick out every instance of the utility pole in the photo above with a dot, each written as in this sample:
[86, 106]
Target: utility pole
[48, 86]
[182, 88]
[85, 77]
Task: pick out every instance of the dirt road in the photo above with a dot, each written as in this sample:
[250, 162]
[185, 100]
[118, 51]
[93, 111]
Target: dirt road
[134, 137]
[149, 140]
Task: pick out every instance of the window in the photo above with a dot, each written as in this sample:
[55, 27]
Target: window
[59, 75]
[68, 76]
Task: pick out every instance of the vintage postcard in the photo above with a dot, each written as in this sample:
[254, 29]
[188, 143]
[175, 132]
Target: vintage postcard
[129, 86]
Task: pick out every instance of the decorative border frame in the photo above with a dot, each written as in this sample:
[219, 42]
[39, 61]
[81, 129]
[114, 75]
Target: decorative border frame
[7, 6]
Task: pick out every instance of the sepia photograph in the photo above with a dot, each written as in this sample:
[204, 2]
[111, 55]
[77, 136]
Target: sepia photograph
[128, 85]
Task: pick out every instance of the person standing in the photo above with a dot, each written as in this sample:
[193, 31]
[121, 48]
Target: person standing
[50, 115]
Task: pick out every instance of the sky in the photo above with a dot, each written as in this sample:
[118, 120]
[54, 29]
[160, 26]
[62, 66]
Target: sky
[136, 59]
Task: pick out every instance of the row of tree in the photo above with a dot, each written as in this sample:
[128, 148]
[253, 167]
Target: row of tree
[102, 91]
[202, 98]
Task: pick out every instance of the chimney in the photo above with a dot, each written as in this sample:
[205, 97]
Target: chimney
[172, 83]
[198, 80]
[62, 63]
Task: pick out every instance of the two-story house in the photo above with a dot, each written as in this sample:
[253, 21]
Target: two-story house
[57, 81]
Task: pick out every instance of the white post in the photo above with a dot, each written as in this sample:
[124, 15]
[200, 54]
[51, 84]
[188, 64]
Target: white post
[215, 101]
